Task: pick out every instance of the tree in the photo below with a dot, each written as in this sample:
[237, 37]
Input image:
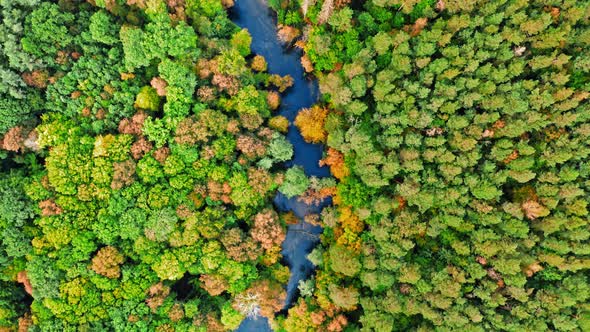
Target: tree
[267, 229]
[280, 149]
[310, 122]
[103, 28]
[14, 112]
[341, 19]
[258, 63]
[241, 41]
[107, 261]
[147, 99]
[344, 297]
[46, 31]
[343, 260]
[295, 183]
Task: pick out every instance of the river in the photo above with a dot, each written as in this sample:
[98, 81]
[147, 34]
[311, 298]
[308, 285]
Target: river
[257, 17]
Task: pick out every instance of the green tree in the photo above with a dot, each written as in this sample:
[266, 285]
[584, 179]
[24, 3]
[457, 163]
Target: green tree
[241, 41]
[295, 183]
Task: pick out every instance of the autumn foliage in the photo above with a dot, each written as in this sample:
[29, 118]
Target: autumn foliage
[335, 160]
[310, 122]
[268, 230]
[107, 262]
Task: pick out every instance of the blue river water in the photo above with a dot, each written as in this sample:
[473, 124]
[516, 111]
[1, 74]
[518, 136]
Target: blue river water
[257, 17]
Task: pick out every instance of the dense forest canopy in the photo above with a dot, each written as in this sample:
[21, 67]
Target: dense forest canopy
[459, 131]
[140, 157]
[140, 152]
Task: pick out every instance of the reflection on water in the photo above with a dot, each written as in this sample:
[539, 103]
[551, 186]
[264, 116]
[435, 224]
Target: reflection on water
[255, 16]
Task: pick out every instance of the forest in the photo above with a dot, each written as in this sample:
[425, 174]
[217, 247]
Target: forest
[141, 149]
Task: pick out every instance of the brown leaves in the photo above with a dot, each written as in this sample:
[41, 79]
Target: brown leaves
[314, 197]
[107, 261]
[213, 284]
[342, 3]
[267, 229]
[227, 3]
[259, 63]
[250, 146]
[281, 82]
[554, 12]
[418, 26]
[219, 191]
[14, 139]
[405, 289]
[134, 125]
[511, 157]
[123, 174]
[22, 278]
[260, 180]
[268, 297]
[532, 269]
[287, 33]
[176, 313]
[190, 131]
[49, 208]
[273, 99]
[37, 78]
[162, 154]
[533, 209]
[337, 324]
[481, 260]
[326, 11]
[240, 247]
[494, 275]
[205, 68]
[160, 85]
[156, 295]
[306, 63]
[227, 83]
[24, 323]
[140, 147]
[17, 139]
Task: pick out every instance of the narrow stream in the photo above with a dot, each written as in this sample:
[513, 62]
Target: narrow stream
[257, 17]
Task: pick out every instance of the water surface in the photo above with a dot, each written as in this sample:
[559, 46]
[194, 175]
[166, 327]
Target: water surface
[255, 16]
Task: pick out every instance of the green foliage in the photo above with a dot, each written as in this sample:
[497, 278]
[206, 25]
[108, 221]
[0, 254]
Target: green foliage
[241, 41]
[250, 101]
[12, 304]
[295, 183]
[157, 41]
[280, 149]
[231, 62]
[342, 19]
[136, 183]
[103, 28]
[46, 31]
[16, 215]
[147, 99]
[16, 111]
[458, 122]
[458, 130]
[106, 97]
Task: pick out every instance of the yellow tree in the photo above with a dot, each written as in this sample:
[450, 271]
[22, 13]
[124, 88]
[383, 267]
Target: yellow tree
[310, 122]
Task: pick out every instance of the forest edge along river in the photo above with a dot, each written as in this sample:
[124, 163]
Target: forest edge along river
[258, 19]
